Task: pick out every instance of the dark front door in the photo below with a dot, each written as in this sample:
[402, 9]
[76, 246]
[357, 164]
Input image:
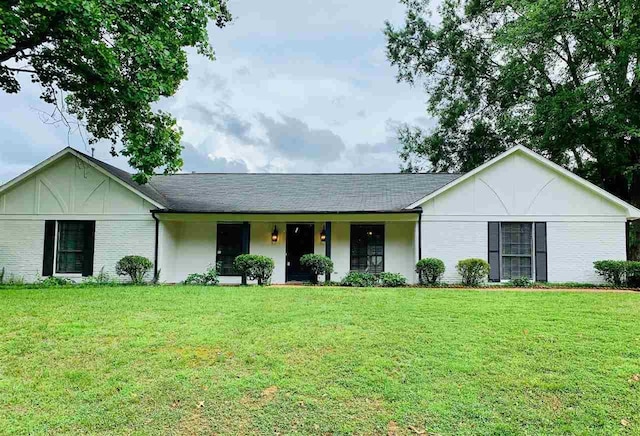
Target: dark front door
[299, 243]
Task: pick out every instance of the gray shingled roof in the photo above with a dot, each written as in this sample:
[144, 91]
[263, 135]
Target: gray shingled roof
[293, 193]
[285, 193]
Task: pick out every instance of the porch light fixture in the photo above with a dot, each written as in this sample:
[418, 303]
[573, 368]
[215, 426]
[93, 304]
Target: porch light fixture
[274, 234]
[323, 235]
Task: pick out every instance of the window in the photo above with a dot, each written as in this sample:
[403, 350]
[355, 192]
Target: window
[516, 250]
[73, 246]
[367, 248]
[229, 242]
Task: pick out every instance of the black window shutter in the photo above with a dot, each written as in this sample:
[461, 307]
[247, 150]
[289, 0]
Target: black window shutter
[49, 243]
[494, 251]
[541, 252]
[89, 242]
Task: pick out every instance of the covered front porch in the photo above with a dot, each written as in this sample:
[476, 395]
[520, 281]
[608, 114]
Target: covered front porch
[374, 242]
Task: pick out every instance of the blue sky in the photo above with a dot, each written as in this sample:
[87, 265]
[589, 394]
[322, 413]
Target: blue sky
[298, 86]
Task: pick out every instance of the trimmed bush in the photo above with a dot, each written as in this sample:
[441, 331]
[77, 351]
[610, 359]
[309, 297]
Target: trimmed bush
[359, 279]
[473, 271]
[430, 270]
[633, 274]
[392, 280]
[317, 264]
[613, 271]
[255, 267]
[209, 278]
[136, 267]
[521, 282]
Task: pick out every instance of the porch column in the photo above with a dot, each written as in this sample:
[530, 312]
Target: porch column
[327, 246]
[246, 242]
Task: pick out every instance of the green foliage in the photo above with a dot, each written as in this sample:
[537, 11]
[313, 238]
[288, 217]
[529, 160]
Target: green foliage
[520, 282]
[255, 267]
[473, 271]
[359, 279]
[430, 270]
[317, 264]
[101, 279]
[392, 280]
[613, 271]
[633, 274]
[560, 77]
[106, 62]
[53, 281]
[209, 278]
[136, 267]
[619, 272]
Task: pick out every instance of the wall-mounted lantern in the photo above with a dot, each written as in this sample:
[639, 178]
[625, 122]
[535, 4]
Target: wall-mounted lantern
[323, 235]
[274, 234]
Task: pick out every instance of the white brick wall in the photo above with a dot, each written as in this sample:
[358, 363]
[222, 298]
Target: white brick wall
[116, 239]
[452, 241]
[21, 247]
[574, 246]
[22, 244]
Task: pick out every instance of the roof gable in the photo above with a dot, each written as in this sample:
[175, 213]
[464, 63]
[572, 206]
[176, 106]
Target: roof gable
[561, 173]
[123, 178]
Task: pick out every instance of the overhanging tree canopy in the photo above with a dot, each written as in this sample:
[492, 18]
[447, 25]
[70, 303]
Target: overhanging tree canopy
[106, 62]
[559, 76]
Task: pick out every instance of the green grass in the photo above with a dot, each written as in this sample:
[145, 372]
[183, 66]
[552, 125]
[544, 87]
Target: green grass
[196, 360]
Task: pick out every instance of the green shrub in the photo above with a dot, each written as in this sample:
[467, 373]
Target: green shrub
[473, 271]
[359, 279]
[632, 271]
[136, 267]
[209, 278]
[101, 279]
[430, 270]
[317, 264]
[53, 281]
[392, 280]
[613, 271]
[521, 282]
[255, 267]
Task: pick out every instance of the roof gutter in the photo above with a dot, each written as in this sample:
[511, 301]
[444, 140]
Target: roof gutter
[320, 212]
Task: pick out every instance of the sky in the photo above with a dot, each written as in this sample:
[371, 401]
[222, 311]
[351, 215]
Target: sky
[297, 86]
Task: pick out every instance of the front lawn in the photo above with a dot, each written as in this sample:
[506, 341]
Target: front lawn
[196, 360]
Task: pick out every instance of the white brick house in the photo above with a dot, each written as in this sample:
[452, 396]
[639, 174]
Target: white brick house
[73, 215]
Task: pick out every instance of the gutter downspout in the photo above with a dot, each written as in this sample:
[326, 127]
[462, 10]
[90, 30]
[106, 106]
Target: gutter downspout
[420, 235]
[155, 249]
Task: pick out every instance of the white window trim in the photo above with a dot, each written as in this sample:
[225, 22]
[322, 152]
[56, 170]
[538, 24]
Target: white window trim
[533, 249]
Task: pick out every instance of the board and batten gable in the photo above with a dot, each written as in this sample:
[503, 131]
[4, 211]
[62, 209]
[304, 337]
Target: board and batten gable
[582, 225]
[69, 188]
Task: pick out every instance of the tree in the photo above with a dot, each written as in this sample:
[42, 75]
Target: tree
[559, 76]
[106, 62]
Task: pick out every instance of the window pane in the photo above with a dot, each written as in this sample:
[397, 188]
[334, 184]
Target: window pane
[367, 248]
[516, 266]
[70, 249]
[517, 250]
[229, 240]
